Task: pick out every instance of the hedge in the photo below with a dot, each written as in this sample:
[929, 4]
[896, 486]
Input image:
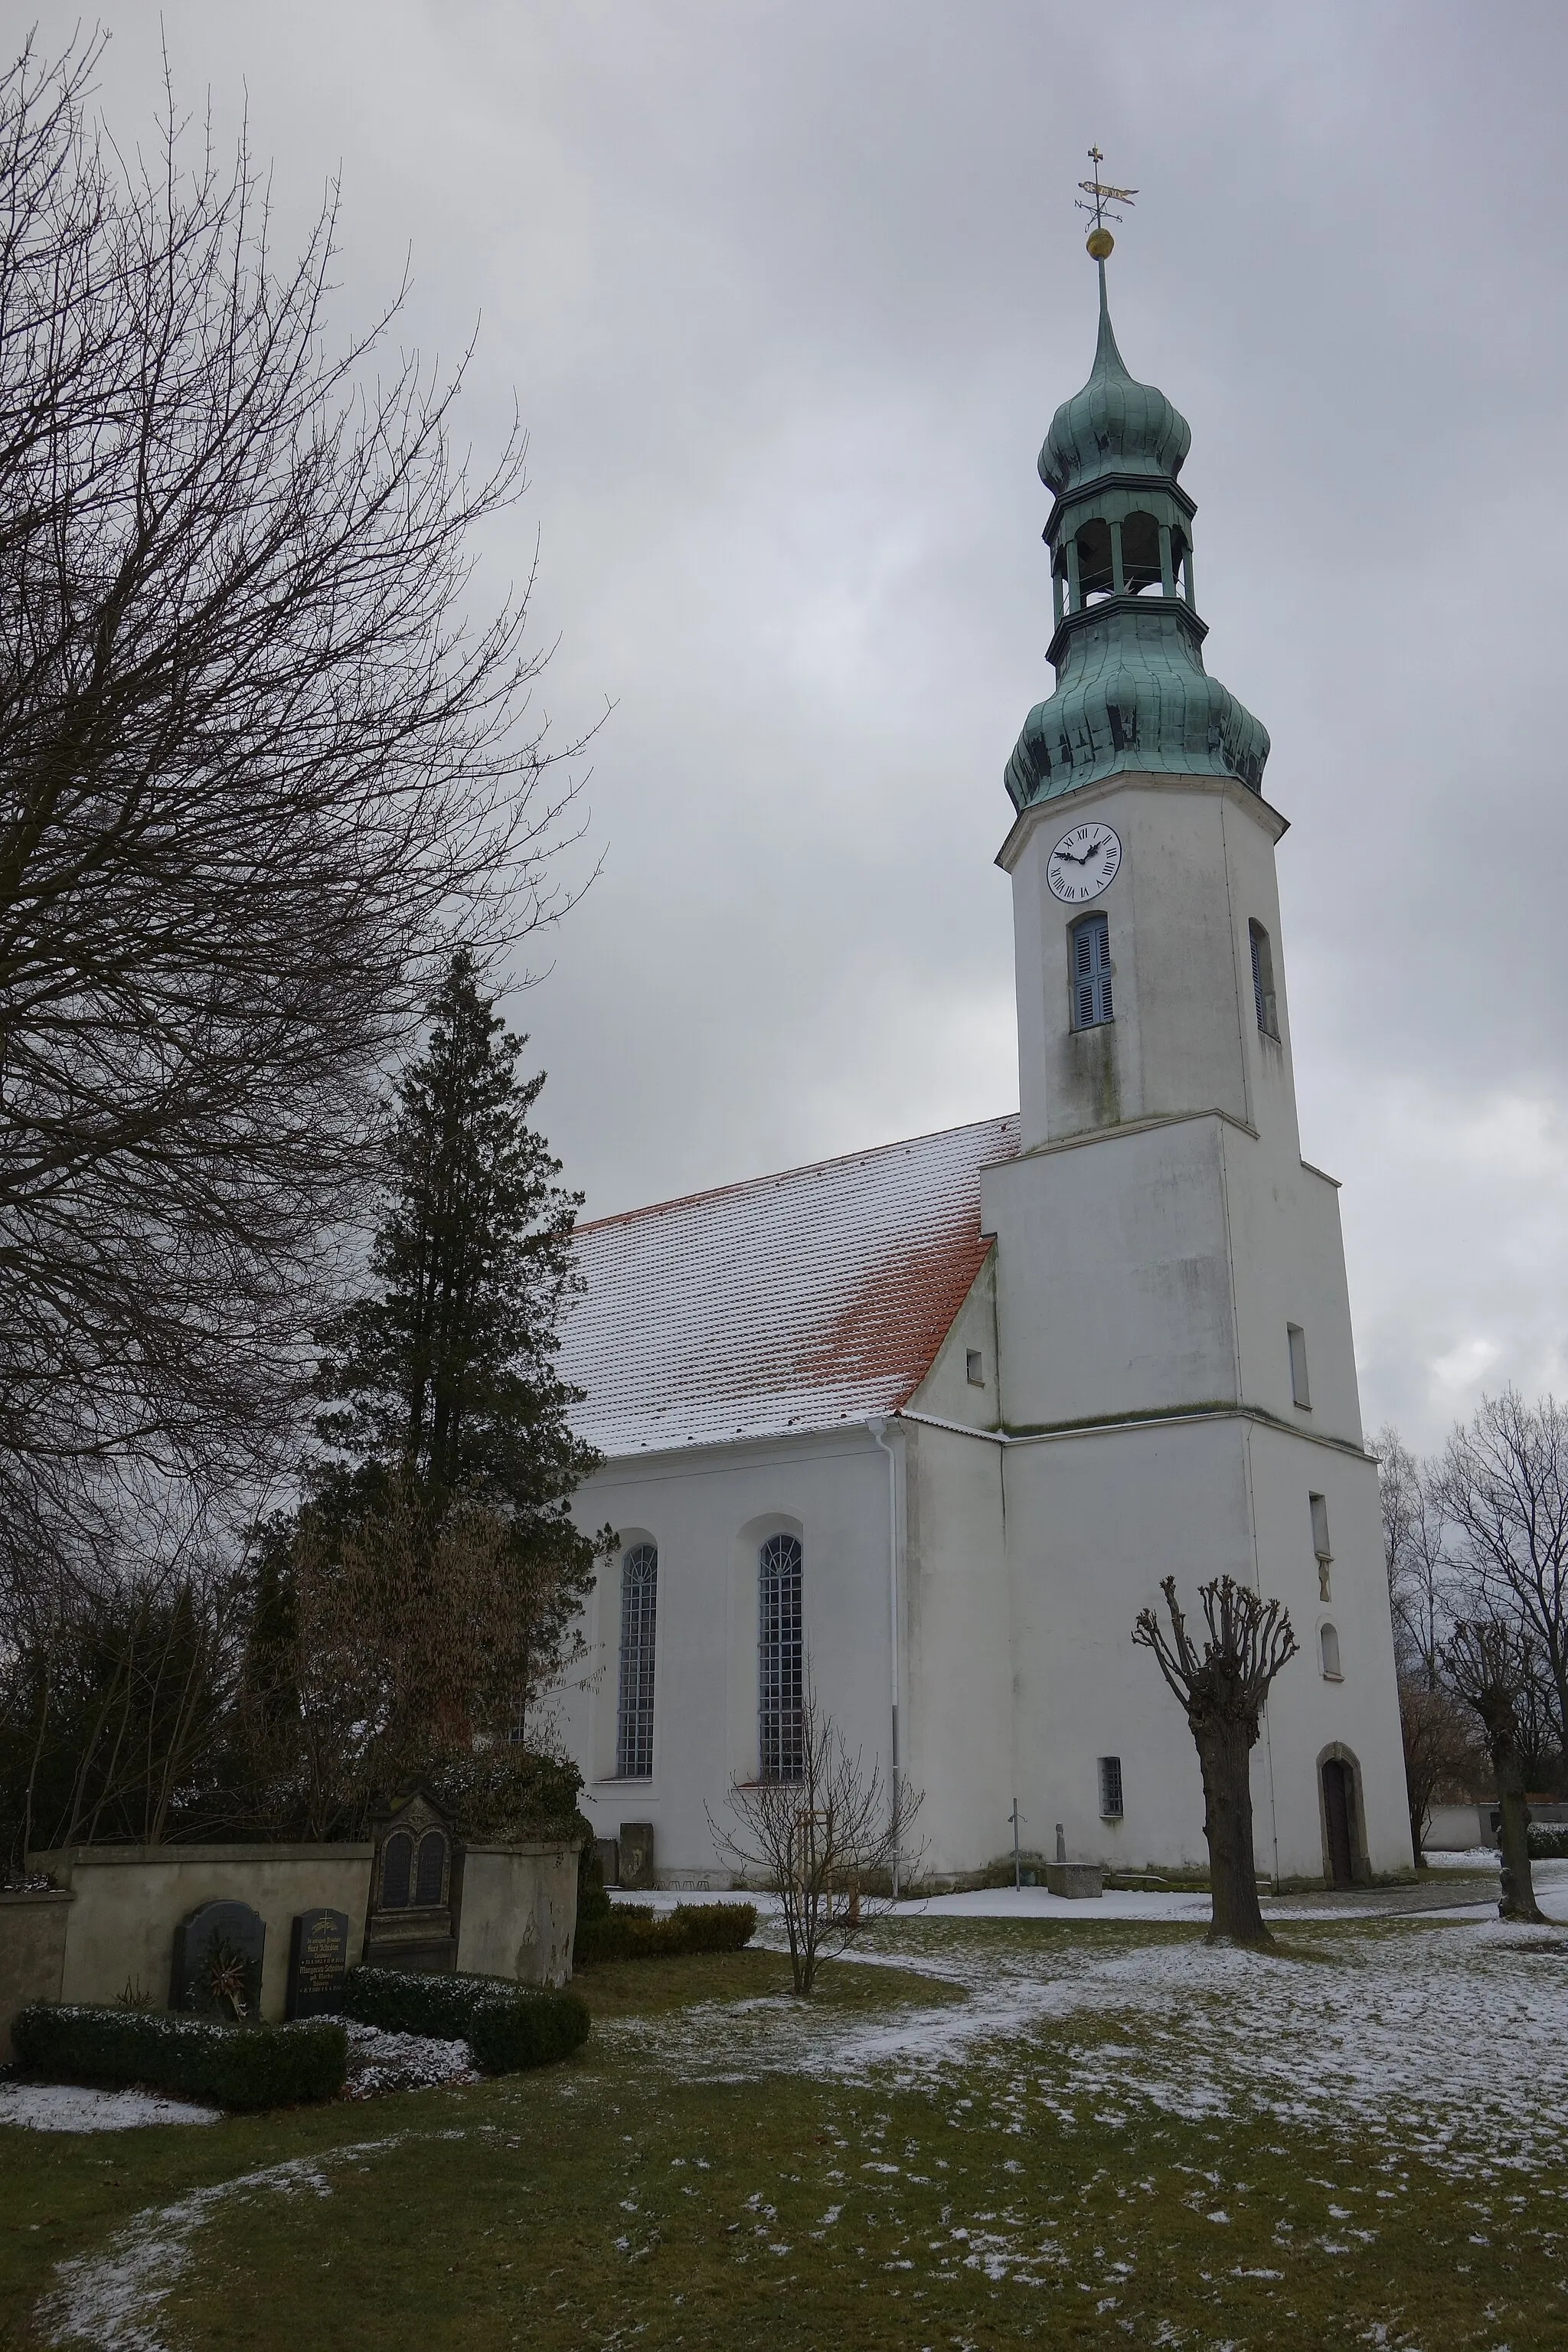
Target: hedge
[1549, 1841]
[507, 2026]
[627, 1932]
[205, 2058]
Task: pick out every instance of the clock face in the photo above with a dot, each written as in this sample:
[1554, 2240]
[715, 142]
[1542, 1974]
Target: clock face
[1083, 864]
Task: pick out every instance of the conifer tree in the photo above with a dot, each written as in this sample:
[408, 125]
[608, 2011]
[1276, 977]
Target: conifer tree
[439, 1383]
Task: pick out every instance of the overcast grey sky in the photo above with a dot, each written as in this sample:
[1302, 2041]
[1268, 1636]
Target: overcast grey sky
[787, 294]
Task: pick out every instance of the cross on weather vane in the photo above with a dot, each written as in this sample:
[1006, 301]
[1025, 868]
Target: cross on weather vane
[1101, 242]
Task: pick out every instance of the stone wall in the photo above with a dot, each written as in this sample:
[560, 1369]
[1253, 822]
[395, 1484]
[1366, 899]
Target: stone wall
[519, 1911]
[131, 1899]
[32, 1954]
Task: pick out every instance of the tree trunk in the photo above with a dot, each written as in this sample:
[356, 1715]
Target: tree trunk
[1224, 1750]
[1518, 1886]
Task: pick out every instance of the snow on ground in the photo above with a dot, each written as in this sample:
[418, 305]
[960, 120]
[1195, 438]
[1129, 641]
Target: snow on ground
[110, 2299]
[382, 2062]
[67, 2107]
[1446, 2038]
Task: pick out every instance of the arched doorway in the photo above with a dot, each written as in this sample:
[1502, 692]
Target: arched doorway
[1339, 1817]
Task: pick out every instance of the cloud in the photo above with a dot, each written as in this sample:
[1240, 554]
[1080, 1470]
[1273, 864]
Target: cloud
[787, 296]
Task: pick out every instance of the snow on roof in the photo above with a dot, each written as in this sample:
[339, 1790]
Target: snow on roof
[790, 1302]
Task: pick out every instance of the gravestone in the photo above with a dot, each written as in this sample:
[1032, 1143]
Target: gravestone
[609, 1852]
[636, 1854]
[318, 1963]
[415, 1882]
[218, 1961]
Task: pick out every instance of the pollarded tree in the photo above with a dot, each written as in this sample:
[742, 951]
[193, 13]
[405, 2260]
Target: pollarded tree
[1489, 1666]
[440, 1382]
[1223, 1693]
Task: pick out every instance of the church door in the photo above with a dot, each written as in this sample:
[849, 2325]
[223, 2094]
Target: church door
[1338, 1800]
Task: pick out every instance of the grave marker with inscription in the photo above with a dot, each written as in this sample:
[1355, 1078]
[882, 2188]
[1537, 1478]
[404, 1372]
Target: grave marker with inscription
[318, 1963]
[218, 1961]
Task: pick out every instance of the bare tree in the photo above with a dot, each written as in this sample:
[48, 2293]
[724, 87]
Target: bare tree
[262, 751]
[1440, 1752]
[1487, 1665]
[1503, 1483]
[1417, 1557]
[1223, 1694]
[826, 1842]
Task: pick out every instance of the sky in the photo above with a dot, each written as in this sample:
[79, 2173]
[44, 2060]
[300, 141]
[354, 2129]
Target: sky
[787, 292]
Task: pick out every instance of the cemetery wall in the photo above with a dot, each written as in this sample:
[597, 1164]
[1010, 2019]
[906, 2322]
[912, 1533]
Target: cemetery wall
[33, 1925]
[519, 1911]
[130, 1901]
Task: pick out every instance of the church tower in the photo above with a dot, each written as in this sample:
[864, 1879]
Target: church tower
[1177, 1368]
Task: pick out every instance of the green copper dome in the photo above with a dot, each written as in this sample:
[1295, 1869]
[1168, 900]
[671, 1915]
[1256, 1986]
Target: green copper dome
[1114, 426]
[1132, 691]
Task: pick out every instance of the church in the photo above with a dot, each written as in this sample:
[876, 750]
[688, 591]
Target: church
[927, 1424]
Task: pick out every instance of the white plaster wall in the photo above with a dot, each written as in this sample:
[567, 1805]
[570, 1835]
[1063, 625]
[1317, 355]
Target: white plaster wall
[1112, 1270]
[709, 1511]
[958, 1636]
[1196, 867]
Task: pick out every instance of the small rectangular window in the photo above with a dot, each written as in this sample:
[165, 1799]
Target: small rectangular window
[975, 1364]
[1110, 1787]
[1090, 944]
[1299, 1388]
[1263, 981]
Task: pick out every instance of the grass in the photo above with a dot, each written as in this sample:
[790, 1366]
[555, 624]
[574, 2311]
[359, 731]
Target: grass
[625, 2196]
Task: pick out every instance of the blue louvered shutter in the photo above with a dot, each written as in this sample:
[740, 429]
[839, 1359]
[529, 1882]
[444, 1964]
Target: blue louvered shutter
[1091, 972]
[1258, 980]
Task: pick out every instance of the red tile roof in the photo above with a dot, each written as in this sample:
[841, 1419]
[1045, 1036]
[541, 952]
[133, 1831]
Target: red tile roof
[790, 1303]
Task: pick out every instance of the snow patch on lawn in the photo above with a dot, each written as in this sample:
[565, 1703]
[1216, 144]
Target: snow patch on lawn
[111, 2300]
[379, 2062]
[1449, 2042]
[68, 2107]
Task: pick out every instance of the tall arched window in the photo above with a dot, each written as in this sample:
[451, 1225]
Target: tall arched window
[781, 1658]
[639, 1608]
[1329, 1651]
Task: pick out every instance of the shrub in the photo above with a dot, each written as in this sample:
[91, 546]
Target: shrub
[627, 1932]
[1549, 1841]
[233, 2065]
[507, 2026]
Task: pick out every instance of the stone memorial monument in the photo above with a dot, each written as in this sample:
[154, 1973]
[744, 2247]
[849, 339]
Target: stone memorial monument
[413, 1921]
[218, 1951]
[318, 1963]
[636, 1854]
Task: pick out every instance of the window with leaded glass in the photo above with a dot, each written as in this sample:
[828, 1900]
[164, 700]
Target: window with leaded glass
[639, 1609]
[781, 1658]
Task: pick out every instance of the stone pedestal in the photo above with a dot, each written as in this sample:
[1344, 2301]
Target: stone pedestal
[1075, 1879]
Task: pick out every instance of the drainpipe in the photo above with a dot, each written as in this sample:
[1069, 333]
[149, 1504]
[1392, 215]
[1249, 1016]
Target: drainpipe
[878, 1429]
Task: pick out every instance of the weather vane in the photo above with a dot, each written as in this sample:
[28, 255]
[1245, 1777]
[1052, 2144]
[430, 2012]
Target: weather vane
[1100, 242]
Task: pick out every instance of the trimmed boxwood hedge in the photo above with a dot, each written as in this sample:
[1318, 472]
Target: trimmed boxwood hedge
[507, 2026]
[627, 1932]
[1549, 1841]
[202, 2057]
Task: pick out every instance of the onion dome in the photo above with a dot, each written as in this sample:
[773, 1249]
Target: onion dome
[1114, 426]
[1132, 691]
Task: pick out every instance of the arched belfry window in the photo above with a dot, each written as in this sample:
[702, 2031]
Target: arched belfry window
[1089, 943]
[781, 1659]
[639, 1611]
[1096, 570]
[1141, 566]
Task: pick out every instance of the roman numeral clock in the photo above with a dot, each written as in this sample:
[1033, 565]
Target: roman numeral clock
[1084, 863]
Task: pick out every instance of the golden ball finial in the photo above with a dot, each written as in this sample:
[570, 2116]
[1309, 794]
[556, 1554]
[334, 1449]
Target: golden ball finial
[1099, 245]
